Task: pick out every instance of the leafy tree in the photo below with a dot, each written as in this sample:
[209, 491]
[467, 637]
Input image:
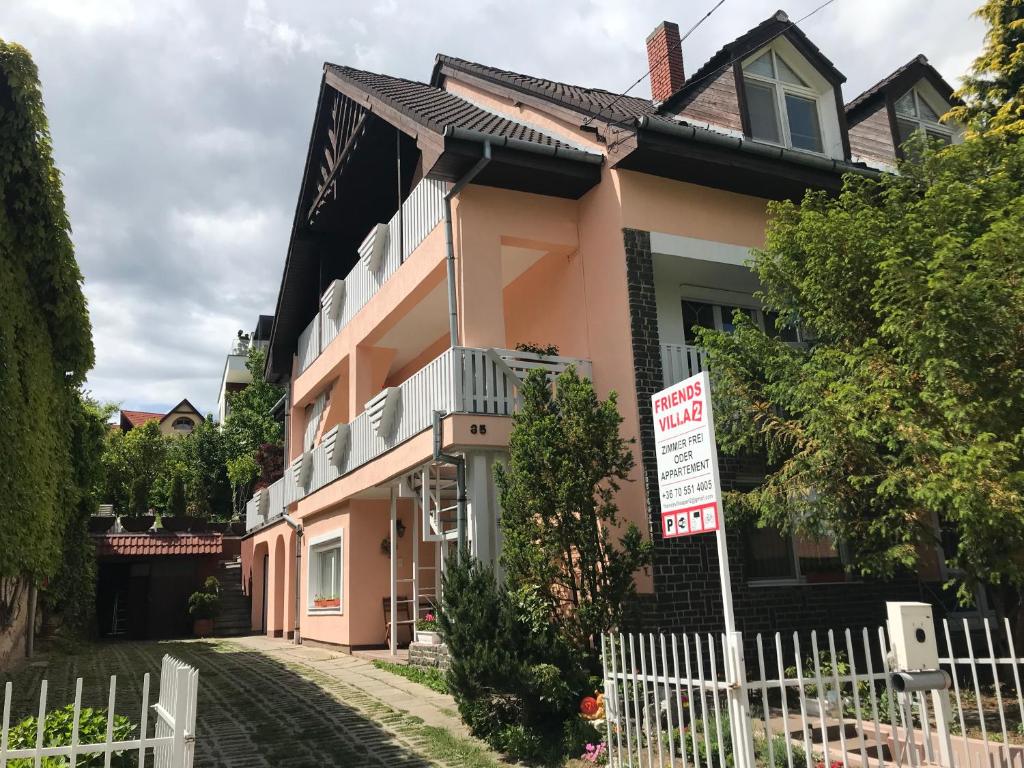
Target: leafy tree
[249, 426]
[176, 501]
[249, 423]
[909, 404]
[133, 463]
[993, 92]
[566, 462]
[203, 456]
[71, 592]
[45, 339]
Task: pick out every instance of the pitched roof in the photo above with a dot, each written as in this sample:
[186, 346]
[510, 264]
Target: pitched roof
[437, 109]
[593, 101]
[776, 25]
[183, 405]
[918, 67]
[157, 544]
[138, 418]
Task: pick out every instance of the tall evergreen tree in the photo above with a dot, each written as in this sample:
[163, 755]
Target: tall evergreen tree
[566, 463]
[45, 339]
[993, 91]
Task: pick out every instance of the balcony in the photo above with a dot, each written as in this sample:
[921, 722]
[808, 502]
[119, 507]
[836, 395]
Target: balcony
[383, 251]
[460, 380]
[680, 361]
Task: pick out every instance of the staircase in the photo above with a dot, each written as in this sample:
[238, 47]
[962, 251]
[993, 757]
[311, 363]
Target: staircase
[235, 607]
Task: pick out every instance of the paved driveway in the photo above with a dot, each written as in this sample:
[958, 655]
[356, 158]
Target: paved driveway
[266, 703]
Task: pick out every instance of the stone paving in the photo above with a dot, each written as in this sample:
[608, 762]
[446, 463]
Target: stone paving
[268, 703]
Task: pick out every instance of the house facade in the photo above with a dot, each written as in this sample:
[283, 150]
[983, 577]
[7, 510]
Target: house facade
[178, 421]
[442, 226]
[235, 376]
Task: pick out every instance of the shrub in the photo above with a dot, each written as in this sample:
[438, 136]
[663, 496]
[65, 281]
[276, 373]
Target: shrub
[516, 681]
[92, 729]
[205, 603]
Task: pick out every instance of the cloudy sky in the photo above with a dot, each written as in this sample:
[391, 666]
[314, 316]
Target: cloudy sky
[181, 128]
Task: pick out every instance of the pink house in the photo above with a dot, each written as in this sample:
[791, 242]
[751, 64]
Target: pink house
[440, 225]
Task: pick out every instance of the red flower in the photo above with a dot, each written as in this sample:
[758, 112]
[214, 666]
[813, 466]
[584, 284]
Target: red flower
[588, 706]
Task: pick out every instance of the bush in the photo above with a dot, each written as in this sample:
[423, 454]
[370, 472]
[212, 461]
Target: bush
[92, 729]
[517, 683]
[205, 603]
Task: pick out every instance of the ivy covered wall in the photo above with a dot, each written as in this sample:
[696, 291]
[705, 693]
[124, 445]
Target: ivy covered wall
[45, 345]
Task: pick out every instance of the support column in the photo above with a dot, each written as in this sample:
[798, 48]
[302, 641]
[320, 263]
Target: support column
[481, 301]
[394, 572]
[481, 517]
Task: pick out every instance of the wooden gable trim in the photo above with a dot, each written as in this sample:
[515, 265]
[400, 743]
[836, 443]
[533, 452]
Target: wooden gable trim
[741, 97]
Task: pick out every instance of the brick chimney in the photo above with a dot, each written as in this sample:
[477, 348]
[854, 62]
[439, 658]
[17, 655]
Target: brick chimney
[665, 60]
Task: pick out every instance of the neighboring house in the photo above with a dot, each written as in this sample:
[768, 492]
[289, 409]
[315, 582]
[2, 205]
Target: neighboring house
[236, 376]
[607, 225]
[180, 420]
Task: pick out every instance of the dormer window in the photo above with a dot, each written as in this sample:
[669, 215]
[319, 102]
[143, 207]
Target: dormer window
[913, 114]
[782, 106]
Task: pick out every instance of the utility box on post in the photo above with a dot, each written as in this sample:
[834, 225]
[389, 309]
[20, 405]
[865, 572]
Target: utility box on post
[912, 631]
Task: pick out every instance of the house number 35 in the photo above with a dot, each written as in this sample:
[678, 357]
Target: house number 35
[478, 429]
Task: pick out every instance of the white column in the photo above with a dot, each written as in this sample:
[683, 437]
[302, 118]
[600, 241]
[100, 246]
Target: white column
[415, 570]
[480, 517]
[394, 572]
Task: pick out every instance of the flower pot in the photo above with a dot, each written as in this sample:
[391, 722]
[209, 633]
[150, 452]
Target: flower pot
[101, 523]
[199, 525]
[138, 524]
[174, 524]
[330, 602]
[202, 627]
[216, 526]
[428, 637]
[237, 527]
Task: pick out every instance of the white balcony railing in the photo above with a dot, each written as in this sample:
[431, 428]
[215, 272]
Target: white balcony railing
[383, 251]
[680, 361]
[460, 380]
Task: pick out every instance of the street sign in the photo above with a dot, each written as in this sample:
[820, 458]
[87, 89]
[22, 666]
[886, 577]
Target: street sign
[684, 438]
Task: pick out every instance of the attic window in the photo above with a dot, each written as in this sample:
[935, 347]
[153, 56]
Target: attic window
[183, 424]
[913, 114]
[782, 107]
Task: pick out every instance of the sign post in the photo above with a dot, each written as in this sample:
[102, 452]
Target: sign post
[691, 504]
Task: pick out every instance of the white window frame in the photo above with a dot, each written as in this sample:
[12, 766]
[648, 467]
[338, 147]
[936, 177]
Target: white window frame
[780, 88]
[322, 543]
[722, 298]
[920, 121]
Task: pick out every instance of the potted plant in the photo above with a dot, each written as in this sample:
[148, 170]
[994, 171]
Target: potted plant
[139, 518]
[323, 601]
[426, 630]
[101, 523]
[203, 607]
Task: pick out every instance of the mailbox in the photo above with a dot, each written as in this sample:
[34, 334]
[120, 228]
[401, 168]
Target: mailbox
[913, 623]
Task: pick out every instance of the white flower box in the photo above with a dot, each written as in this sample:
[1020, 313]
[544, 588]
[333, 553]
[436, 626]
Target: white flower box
[382, 410]
[336, 443]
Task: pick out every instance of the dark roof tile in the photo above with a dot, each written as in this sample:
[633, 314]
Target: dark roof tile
[436, 108]
[157, 544]
[593, 101]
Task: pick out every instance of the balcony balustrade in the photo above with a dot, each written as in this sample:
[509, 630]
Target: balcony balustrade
[384, 250]
[460, 380]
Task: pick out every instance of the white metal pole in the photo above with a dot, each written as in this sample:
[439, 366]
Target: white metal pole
[415, 569]
[739, 704]
[394, 573]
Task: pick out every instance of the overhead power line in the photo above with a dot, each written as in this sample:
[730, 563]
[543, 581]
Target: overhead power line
[664, 56]
[712, 73]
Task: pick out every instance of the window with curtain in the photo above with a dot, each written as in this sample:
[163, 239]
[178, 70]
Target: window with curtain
[782, 107]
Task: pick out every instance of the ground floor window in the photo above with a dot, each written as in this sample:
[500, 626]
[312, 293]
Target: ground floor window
[325, 574]
[772, 556]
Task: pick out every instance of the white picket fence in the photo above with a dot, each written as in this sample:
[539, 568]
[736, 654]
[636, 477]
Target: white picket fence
[171, 743]
[818, 700]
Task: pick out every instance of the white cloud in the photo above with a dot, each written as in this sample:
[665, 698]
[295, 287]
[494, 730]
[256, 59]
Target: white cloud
[182, 125]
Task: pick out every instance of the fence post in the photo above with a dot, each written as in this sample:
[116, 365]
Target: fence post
[181, 704]
[739, 702]
[912, 639]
